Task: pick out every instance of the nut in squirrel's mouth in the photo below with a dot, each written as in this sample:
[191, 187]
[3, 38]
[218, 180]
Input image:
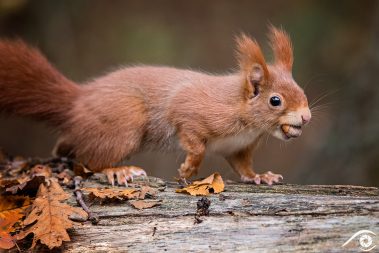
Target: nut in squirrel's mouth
[291, 131]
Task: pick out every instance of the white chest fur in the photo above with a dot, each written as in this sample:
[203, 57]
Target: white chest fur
[232, 143]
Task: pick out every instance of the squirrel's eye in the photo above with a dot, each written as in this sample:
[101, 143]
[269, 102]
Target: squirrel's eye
[275, 101]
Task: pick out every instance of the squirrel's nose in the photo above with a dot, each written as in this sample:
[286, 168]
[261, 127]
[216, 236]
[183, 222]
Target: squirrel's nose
[306, 116]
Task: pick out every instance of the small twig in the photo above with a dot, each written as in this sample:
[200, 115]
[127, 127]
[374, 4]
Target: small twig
[15, 243]
[79, 199]
[183, 182]
[154, 230]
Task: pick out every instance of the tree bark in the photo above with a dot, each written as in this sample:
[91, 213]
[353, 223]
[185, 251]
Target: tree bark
[250, 218]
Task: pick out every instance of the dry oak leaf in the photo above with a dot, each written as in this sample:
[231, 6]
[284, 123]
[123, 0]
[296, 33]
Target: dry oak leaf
[16, 166]
[7, 182]
[41, 170]
[13, 206]
[147, 192]
[211, 184]
[6, 227]
[29, 184]
[143, 204]
[12, 209]
[49, 218]
[80, 170]
[112, 193]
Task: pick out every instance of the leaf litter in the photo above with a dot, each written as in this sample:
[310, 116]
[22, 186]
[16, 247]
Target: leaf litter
[33, 203]
[136, 196]
[205, 187]
[12, 209]
[49, 218]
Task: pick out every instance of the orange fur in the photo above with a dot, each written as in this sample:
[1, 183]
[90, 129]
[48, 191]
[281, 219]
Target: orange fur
[249, 53]
[140, 108]
[31, 87]
[282, 47]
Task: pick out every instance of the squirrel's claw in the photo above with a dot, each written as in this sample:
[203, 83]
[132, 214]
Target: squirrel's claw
[268, 178]
[123, 174]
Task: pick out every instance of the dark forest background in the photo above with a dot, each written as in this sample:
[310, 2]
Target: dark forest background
[336, 59]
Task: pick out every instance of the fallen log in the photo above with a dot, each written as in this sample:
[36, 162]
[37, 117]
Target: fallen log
[249, 218]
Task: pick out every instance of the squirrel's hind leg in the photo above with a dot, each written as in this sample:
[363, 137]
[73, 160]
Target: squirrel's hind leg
[63, 148]
[101, 146]
[123, 174]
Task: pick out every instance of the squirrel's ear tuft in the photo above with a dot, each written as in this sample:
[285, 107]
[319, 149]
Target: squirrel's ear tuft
[250, 55]
[282, 47]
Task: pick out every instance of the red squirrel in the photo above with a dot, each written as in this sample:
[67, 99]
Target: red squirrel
[132, 109]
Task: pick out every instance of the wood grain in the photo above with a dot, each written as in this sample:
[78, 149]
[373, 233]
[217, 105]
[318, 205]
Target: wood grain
[245, 218]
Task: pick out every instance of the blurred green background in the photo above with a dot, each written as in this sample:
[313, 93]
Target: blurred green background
[336, 47]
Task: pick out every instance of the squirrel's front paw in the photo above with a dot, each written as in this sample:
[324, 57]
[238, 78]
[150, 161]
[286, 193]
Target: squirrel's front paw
[186, 171]
[123, 174]
[266, 178]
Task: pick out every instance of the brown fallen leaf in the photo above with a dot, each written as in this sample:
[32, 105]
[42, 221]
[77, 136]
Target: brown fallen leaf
[7, 182]
[120, 193]
[81, 170]
[143, 204]
[12, 209]
[16, 166]
[211, 184]
[49, 218]
[66, 177]
[13, 205]
[6, 227]
[112, 193]
[41, 170]
[29, 184]
[147, 191]
[215, 180]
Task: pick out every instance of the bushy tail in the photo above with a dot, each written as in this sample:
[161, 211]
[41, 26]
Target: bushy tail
[30, 86]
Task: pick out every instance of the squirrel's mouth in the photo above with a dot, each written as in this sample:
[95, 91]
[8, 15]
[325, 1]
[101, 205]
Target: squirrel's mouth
[291, 131]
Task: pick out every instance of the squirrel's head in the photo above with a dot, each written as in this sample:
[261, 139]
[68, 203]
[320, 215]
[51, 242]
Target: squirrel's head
[272, 99]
